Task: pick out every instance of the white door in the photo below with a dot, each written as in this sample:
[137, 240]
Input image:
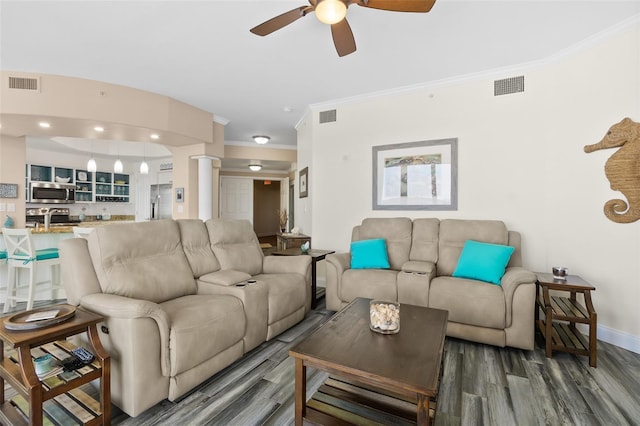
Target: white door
[236, 198]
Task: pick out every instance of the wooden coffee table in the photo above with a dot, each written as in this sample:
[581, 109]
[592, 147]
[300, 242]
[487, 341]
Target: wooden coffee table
[407, 363]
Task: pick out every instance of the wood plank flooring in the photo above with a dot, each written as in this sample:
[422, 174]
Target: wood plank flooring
[481, 385]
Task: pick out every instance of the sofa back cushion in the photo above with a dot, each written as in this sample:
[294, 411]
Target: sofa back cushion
[141, 260]
[424, 240]
[396, 232]
[454, 233]
[235, 245]
[197, 247]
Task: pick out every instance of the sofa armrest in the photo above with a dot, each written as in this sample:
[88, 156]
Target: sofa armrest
[225, 277]
[514, 277]
[113, 306]
[420, 267]
[287, 264]
[337, 264]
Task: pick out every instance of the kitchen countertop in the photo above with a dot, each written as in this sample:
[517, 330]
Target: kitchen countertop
[87, 224]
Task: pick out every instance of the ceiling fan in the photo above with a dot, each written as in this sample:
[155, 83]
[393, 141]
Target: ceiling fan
[333, 12]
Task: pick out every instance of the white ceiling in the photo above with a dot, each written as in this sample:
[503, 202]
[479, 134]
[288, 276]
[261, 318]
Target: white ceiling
[202, 53]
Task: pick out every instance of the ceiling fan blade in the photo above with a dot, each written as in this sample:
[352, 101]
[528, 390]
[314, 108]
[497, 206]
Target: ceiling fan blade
[399, 5]
[280, 21]
[343, 38]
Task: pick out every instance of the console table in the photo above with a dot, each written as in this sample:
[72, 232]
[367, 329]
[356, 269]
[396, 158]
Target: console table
[558, 327]
[287, 241]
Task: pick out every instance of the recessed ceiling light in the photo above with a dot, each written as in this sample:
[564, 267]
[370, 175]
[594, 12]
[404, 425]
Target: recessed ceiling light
[287, 109]
[155, 136]
[44, 124]
[98, 129]
[261, 139]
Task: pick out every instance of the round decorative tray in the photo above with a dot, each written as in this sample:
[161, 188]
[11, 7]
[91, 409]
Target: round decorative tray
[19, 321]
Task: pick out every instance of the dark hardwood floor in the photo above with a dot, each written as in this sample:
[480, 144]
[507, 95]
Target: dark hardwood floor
[481, 385]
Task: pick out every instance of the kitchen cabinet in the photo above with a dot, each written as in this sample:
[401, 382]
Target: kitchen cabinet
[90, 187]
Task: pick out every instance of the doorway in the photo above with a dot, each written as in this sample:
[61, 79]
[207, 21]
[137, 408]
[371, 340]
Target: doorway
[266, 207]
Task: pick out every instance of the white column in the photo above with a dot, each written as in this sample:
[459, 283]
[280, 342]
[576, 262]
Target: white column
[205, 190]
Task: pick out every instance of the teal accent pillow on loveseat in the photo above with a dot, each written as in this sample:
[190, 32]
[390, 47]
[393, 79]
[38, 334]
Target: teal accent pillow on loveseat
[483, 261]
[369, 254]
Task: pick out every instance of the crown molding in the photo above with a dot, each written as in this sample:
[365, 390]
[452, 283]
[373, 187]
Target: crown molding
[578, 47]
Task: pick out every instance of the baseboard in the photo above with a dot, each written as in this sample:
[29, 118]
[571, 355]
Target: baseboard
[621, 339]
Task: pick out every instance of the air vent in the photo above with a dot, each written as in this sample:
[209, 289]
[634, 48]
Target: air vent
[24, 83]
[328, 116]
[507, 86]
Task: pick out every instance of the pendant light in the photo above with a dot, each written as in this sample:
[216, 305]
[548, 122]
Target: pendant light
[91, 164]
[117, 166]
[144, 167]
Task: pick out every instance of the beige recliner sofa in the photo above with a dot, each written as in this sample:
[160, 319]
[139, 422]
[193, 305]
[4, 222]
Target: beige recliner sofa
[423, 254]
[178, 302]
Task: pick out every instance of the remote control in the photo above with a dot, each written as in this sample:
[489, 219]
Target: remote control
[83, 355]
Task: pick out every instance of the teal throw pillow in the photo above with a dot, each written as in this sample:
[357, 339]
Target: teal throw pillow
[369, 254]
[483, 261]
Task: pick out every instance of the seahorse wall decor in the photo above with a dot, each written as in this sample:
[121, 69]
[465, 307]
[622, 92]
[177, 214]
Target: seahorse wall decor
[622, 169]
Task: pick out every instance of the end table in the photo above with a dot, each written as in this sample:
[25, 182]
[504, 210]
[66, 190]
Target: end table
[558, 327]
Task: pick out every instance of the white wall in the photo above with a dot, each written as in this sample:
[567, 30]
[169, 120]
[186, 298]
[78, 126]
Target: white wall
[521, 160]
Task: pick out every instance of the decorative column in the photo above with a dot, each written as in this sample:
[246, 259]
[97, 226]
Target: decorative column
[205, 187]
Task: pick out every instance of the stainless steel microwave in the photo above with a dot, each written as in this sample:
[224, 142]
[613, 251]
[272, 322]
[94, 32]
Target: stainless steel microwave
[52, 193]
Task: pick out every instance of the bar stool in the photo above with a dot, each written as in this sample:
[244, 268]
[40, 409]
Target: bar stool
[80, 232]
[21, 255]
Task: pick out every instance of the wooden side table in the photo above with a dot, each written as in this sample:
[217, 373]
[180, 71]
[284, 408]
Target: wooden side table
[22, 376]
[287, 241]
[316, 256]
[558, 327]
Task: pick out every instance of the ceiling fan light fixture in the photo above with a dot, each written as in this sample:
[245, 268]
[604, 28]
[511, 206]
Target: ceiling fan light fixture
[255, 167]
[259, 139]
[331, 11]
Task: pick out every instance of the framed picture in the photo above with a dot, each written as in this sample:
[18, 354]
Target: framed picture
[416, 175]
[8, 190]
[304, 182]
[179, 195]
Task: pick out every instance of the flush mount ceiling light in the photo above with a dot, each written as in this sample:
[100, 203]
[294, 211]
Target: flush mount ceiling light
[261, 139]
[255, 167]
[331, 11]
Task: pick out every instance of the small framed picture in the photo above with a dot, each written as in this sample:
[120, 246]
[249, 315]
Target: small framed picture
[179, 195]
[304, 182]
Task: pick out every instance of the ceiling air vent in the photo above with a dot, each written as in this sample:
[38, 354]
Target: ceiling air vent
[328, 116]
[507, 86]
[24, 83]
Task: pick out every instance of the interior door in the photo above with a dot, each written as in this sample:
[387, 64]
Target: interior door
[236, 198]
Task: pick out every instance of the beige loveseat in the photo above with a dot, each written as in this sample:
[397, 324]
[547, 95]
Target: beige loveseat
[178, 302]
[423, 255]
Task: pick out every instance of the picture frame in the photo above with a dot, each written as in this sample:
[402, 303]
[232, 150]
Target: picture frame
[419, 175]
[179, 195]
[8, 190]
[304, 182]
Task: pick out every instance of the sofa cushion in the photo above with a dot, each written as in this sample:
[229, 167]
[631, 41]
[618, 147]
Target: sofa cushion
[483, 261]
[287, 293]
[142, 260]
[469, 301]
[424, 240]
[371, 283]
[368, 254]
[395, 231]
[197, 247]
[455, 232]
[202, 326]
[235, 245]
[225, 277]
